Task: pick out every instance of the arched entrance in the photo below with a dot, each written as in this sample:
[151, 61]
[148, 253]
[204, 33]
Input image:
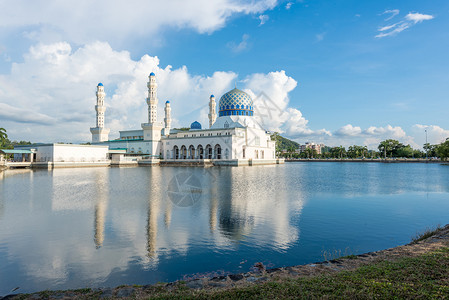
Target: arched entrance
[208, 152]
[191, 152]
[183, 152]
[200, 152]
[176, 152]
[217, 151]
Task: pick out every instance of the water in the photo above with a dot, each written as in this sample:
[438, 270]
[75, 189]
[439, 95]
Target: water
[98, 227]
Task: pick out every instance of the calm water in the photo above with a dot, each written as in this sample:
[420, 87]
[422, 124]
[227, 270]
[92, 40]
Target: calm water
[97, 227]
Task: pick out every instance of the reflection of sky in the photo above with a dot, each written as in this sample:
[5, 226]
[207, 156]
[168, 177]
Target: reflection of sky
[70, 228]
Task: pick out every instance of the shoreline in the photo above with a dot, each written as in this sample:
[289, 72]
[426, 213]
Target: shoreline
[259, 274]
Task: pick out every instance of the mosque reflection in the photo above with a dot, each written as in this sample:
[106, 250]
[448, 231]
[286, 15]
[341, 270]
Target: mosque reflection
[236, 204]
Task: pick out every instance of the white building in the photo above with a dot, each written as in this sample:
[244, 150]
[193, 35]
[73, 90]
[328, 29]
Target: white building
[234, 138]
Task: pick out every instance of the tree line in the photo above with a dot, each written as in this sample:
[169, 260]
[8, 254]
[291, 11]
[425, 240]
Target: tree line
[386, 149]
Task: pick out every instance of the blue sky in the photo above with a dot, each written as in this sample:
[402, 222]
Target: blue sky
[337, 72]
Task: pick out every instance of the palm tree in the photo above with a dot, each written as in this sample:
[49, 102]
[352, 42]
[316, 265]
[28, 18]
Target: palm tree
[3, 135]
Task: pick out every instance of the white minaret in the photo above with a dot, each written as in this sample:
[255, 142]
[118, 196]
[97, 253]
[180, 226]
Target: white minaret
[212, 113]
[99, 133]
[152, 130]
[152, 99]
[167, 119]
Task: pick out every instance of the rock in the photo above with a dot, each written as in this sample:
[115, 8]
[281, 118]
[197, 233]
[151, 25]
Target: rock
[261, 279]
[106, 293]
[217, 284]
[251, 279]
[195, 284]
[235, 277]
[125, 292]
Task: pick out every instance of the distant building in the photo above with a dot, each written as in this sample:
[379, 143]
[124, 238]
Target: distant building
[313, 146]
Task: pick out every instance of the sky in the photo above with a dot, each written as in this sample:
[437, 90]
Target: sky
[334, 72]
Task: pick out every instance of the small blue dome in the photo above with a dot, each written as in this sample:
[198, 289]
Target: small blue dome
[167, 101]
[212, 96]
[100, 84]
[195, 125]
[152, 74]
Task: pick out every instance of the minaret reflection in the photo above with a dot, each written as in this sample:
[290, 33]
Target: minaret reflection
[154, 201]
[102, 196]
[167, 215]
[213, 206]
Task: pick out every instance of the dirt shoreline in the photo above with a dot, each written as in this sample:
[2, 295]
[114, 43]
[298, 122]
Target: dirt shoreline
[258, 275]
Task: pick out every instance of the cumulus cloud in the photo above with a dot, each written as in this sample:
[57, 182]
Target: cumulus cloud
[54, 90]
[406, 22]
[84, 21]
[348, 130]
[435, 134]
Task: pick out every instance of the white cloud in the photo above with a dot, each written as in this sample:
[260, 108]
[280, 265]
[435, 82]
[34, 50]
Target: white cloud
[392, 13]
[84, 21]
[53, 90]
[348, 130]
[288, 5]
[320, 36]
[263, 19]
[435, 134]
[408, 21]
[417, 17]
[242, 46]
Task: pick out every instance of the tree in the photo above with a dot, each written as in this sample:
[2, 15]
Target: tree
[3, 136]
[389, 148]
[443, 150]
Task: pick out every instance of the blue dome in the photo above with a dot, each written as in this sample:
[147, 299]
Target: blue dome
[212, 96]
[195, 125]
[152, 74]
[167, 101]
[100, 84]
[235, 103]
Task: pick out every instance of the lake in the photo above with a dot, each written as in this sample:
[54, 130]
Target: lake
[100, 227]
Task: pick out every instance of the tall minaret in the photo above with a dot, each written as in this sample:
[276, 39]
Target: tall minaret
[152, 99]
[212, 113]
[99, 133]
[152, 130]
[167, 119]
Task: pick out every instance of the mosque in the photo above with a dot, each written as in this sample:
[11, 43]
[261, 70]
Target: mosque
[232, 138]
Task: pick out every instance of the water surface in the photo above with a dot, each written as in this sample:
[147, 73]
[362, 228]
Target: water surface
[98, 227]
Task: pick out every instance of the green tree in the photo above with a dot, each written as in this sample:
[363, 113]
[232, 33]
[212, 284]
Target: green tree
[443, 150]
[3, 136]
[389, 148]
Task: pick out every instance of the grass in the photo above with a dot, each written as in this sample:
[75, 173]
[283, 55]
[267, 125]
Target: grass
[425, 276]
[428, 232]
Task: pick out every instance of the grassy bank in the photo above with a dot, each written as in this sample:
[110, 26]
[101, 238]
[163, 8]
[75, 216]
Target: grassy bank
[425, 276]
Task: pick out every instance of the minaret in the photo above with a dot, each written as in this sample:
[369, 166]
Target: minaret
[152, 99]
[167, 119]
[99, 133]
[152, 130]
[212, 113]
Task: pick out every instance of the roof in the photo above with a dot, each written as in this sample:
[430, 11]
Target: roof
[15, 151]
[100, 84]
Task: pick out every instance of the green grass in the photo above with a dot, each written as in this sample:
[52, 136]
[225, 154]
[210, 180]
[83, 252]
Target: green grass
[425, 276]
[428, 232]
